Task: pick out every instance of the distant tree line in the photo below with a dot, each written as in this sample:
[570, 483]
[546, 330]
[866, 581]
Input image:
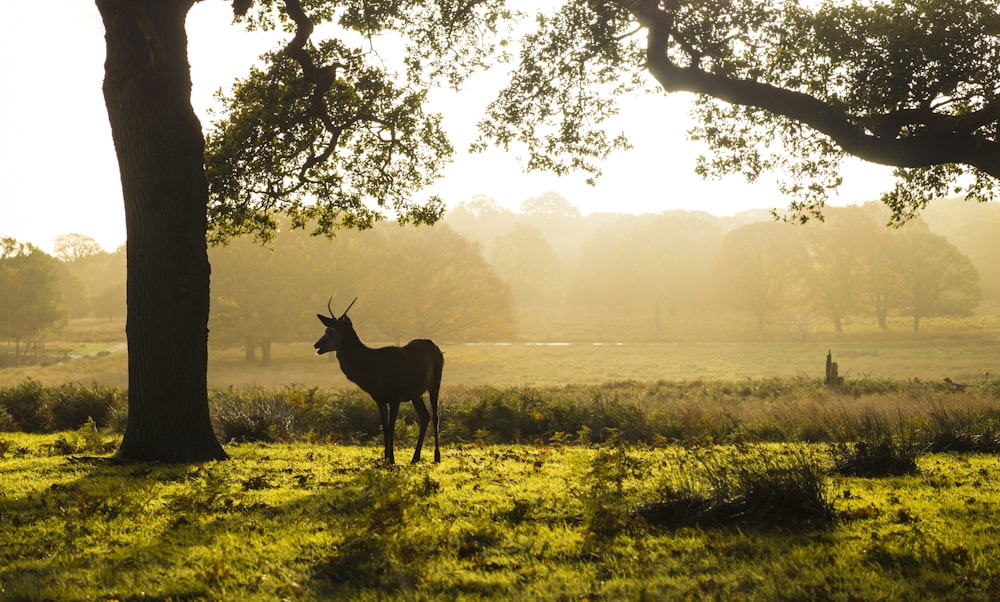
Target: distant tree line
[410, 282]
[29, 299]
[469, 278]
[850, 266]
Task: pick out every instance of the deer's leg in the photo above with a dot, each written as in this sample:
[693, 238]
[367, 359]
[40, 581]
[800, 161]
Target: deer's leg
[423, 417]
[434, 421]
[391, 432]
[383, 414]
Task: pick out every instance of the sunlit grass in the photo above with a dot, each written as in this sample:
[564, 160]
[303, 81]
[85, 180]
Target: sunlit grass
[308, 521]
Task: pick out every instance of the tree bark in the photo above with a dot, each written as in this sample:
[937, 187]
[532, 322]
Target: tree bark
[160, 149]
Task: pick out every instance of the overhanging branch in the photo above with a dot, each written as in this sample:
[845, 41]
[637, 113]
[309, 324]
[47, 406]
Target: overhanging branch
[942, 139]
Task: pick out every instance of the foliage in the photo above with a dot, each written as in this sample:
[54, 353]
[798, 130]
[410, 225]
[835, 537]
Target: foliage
[73, 247]
[252, 415]
[263, 295]
[72, 405]
[784, 87]
[411, 282]
[26, 407]
[352, 126]
[758, 263]
[882, 426]
[525, 261]
[34, 408]
[29, 296]
[938, 279]
[971, 430]
[432, 283]
[92, 281]
[842, 265]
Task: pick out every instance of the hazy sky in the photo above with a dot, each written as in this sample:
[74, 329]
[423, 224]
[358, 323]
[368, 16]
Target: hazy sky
[60, 174]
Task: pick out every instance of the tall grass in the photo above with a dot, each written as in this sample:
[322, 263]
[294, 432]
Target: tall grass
[751, 485]
[880, 414]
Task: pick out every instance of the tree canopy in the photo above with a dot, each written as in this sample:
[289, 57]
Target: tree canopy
[29, 293]
[332, 132]
[783, 86]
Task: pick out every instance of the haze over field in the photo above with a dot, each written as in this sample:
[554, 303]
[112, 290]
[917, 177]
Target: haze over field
[546, 295]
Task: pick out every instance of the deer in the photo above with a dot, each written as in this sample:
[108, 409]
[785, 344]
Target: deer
[391, 375]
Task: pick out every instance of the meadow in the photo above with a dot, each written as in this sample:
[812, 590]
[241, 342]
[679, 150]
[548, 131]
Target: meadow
[635, 469]
[553, 521]
[585, 349]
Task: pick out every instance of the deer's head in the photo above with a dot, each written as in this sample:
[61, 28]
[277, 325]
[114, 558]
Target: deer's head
[330, 341]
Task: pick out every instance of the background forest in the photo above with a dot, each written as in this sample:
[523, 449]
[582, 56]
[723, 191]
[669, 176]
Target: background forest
[548, 273]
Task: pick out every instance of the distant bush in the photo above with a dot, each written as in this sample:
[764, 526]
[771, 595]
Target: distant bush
[258, 414]
[853, 418]
[251, 415]
[72, 405]
[32, 408]
[27, 407]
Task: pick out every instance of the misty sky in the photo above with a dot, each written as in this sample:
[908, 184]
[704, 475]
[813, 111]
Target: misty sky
[60, 175]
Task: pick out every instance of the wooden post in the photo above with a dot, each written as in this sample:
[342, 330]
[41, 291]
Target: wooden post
[832, 378]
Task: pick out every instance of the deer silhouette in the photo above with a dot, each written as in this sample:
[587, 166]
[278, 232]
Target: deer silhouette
[391, 375]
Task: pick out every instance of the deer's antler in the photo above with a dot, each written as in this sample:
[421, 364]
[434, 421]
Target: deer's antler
[348, 309]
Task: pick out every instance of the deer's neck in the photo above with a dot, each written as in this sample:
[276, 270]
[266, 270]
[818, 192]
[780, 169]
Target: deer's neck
[354, 356]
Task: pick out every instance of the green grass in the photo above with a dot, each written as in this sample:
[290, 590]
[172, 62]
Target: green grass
[554, 522]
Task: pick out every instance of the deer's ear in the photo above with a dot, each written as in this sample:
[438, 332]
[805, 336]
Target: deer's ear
[327, 321]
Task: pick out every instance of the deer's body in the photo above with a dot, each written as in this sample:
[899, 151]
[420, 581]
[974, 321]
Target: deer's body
[391, 375]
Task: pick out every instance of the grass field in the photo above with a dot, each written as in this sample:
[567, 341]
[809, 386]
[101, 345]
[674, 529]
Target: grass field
[553, 522]
[587, 348]
[562, 519]
[962, 358]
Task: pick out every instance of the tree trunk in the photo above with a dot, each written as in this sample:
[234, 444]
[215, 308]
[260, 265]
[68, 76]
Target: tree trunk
[883, 318]
[916, 323]
[160, 149]
[265, 350]
[250, 349]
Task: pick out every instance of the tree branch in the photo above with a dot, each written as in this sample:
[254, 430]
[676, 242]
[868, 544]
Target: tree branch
[322, 79]
[945, 139]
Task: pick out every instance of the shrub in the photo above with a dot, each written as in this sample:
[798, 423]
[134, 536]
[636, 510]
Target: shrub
[73, 404]
[27, 406]
[754, 486]
[976, 431]
[6, 422]
[251, 415]
[870, 447]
